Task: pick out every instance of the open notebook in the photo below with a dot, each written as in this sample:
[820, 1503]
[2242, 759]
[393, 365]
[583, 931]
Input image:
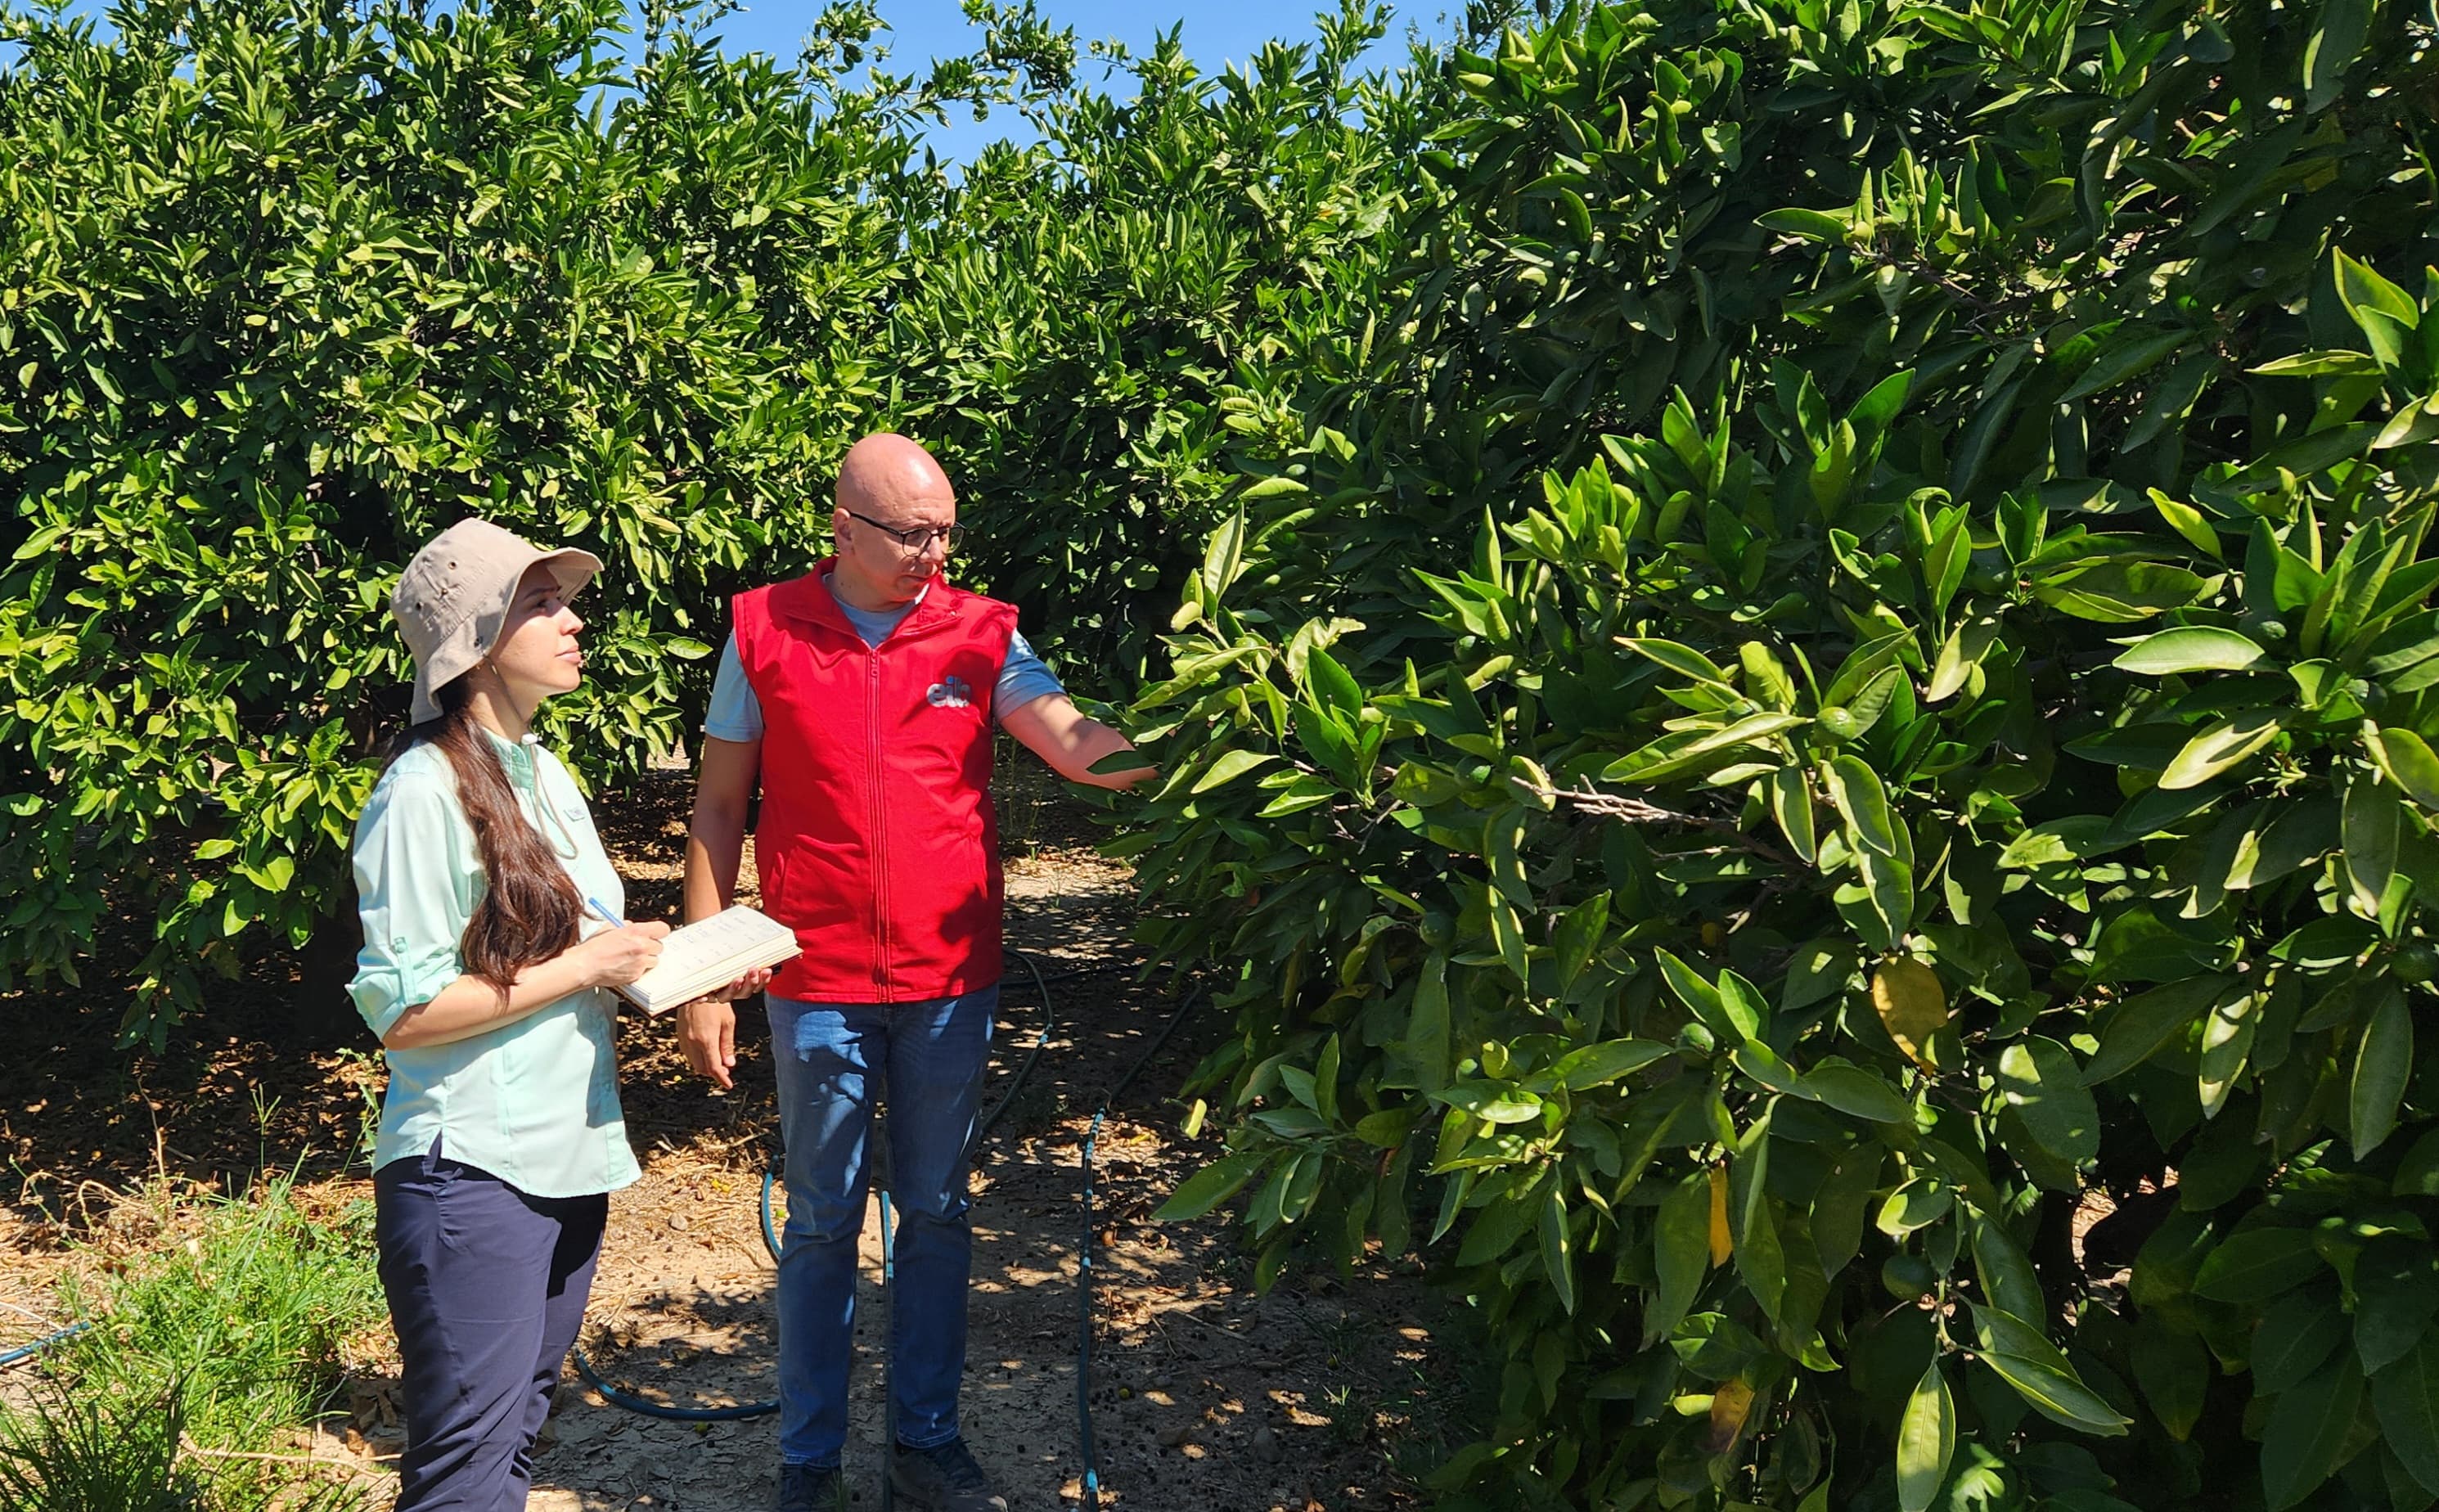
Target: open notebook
[710, 953]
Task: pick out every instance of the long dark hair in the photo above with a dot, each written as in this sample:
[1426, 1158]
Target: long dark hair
[529, 910]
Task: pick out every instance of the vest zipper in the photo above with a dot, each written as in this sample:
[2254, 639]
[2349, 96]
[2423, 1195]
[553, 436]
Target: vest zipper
[880, 945]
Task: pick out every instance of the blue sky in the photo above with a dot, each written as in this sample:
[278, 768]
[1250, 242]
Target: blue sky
[1214, 35]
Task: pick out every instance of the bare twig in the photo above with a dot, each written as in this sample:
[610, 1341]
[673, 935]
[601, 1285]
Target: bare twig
[1635, 812]
[187, 1446]
[1617, 806]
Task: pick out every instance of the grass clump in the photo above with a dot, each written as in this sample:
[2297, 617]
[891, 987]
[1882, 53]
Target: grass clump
[207, 1352]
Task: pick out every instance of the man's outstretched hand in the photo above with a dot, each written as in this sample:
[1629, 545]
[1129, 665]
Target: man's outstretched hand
[707, 1028]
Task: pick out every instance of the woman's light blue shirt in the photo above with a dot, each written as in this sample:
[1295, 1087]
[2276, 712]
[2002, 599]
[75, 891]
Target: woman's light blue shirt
[533, 1101]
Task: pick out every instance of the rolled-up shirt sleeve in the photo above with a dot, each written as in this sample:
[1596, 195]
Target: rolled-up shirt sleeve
[1023, 678]
[735, 714]
[408, 856]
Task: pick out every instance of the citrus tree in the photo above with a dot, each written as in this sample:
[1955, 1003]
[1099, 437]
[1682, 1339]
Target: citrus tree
[1815, 771]
[284, 289]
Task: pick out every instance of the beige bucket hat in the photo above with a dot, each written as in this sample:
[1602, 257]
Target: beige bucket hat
[454, 594]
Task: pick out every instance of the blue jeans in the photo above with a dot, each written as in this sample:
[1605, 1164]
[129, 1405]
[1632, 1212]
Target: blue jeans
[834, 1060]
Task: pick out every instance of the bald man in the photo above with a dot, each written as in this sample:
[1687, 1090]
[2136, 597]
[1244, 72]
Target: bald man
[860, 700]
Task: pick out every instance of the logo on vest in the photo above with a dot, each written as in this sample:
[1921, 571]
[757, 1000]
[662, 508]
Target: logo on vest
[951, 693]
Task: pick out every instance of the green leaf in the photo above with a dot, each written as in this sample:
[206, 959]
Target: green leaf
[2125, 360]
[2406, 1397]
[2025, 1360]
[2222, 747]
[2038, 1079]
[1231, 765]
[1761, 1064]
[1854, 1090]
[2227, 1046]
[1698, 995]
[2382, 1063]
[2361, 288]
[1333, 686]
[2320, 365]
[1967, 645]
[2187, 522]
[1576, 936]
[1918, 1203]
[2370, 823]
[1427, 1026]
[2406, 759]
[1596, 1065]
[1224, 556]
[1493, 1102]
[1743, 1005]
[2174, 1372]
[2396, 1290]
[1681, 1247]
[2193, 648]
[1210, 1187]
[2257, 1265]
[2006, 1270]
[2297, 1334]
[1812, 225]
[1508, 933]
[1856, 790]
[1791, 804]
[2142, 1023]
[1557, 1258]
[2307, 1428]
[1926, 1441]
[1682, 660]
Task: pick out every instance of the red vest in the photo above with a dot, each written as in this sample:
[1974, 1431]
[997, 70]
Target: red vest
[876, 843]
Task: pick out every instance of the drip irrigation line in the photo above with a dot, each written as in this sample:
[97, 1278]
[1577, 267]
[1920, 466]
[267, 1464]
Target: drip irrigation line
[742, 1411]
[1092, 1479]
[29, 1351]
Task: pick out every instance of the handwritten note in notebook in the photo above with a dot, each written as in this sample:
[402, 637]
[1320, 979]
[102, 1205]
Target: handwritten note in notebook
[711, 953]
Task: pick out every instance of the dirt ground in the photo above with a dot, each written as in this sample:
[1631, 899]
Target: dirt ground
[1322, 1396]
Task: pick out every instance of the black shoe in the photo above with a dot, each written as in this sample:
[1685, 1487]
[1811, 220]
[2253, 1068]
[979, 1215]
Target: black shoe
[945, 1479]
[810, 1488]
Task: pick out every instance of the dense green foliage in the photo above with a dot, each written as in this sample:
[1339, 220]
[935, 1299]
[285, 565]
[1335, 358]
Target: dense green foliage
[284, 287]
[1080, 306]
[1813, 665]
[1845, 678]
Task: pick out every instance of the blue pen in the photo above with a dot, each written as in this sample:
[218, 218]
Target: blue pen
[595, 904]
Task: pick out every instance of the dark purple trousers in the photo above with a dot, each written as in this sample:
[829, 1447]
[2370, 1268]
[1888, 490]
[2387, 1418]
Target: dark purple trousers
[486, 1288]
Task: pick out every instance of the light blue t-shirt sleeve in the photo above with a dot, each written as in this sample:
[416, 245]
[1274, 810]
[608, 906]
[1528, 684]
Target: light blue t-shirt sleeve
[736, 714]
[1023, 678]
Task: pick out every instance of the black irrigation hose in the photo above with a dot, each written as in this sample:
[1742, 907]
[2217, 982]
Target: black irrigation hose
[1091, 1477]
[1092, 1483]
[743, 1411]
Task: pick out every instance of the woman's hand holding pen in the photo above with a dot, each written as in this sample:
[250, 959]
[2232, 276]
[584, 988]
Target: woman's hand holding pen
[617, 957]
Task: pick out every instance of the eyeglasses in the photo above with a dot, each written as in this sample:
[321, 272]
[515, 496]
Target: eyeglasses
[918, 541]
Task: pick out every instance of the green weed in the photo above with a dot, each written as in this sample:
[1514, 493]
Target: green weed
[95, 1455]
[241, 1317]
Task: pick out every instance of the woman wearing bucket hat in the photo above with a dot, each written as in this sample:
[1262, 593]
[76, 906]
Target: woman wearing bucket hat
[501, 1137]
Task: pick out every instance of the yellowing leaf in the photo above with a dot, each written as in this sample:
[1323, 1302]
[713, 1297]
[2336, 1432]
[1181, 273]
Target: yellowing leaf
[2223, 745]
[1730, 1405]
[1722, 1245]
[1911, 1004]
